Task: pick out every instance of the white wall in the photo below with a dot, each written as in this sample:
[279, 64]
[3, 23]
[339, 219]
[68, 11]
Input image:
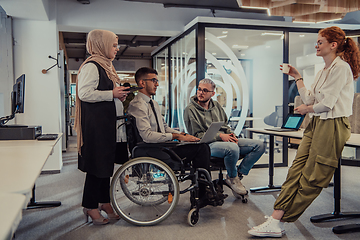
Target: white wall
[267, 79]
[34, 42]
[6, 65]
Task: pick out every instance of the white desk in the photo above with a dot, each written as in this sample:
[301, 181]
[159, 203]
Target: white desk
[11, 211]
[21, 162]
[29, 143]
[354, 141]
[20, 167]
[246, 119]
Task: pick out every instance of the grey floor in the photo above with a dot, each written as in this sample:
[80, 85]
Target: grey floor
[230, 221]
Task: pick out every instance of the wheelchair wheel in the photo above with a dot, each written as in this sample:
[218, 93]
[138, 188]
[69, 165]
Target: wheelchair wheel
[193, 217]
[144, 191]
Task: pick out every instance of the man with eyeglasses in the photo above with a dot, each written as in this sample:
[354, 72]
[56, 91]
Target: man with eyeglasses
[153, 128]
[198, 116]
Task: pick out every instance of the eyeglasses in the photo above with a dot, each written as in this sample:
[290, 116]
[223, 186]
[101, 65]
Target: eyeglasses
[204, 90]
[318, 44]
[154, 80]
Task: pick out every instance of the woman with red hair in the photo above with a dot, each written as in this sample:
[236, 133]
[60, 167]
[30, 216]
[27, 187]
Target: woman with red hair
[329, 104]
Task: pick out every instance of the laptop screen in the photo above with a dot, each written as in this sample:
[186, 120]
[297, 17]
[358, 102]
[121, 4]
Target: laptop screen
[293, 121]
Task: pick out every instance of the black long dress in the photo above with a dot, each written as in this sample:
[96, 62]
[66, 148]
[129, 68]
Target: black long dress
[98, 122]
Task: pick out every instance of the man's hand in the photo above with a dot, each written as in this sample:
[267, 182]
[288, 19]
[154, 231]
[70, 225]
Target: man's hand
[228, 137]
[183, 137]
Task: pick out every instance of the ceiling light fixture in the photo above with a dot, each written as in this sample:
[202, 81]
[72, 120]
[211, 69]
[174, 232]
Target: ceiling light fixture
[330, 20]
[225, 32]
[260, 8]
[223, 36]
[240, 46]
[303, 22]
[271, 33]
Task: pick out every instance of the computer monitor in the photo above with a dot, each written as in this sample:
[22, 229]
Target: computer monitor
[17, 101]
[19, 92]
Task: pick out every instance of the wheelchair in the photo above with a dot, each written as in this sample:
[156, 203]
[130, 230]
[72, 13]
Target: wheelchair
[145, 190]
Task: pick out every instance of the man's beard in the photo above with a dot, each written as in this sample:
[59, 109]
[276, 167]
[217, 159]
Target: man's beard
[203, 101]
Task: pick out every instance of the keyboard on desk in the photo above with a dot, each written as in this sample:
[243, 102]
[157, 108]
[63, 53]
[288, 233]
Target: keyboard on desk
[48, 136]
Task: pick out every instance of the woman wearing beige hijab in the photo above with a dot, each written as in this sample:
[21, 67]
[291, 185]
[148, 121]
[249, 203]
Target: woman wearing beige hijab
[95, 123]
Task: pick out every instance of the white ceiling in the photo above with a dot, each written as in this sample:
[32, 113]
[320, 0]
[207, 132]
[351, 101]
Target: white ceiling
[27, 9]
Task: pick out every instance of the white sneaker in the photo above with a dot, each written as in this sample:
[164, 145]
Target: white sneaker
[271, 228]
[236, 185]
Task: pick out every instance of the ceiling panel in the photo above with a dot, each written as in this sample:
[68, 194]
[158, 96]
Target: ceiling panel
[131, 46]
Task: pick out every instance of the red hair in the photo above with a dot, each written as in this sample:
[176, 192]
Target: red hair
[347, 48]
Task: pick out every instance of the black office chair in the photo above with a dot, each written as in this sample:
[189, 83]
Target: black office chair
[145, 190]
[217, 164]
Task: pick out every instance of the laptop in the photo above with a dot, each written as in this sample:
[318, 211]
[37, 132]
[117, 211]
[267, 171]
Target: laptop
[292, 123]
[209, 134]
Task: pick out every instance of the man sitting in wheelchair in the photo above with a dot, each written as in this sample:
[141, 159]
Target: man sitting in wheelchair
[152, 128]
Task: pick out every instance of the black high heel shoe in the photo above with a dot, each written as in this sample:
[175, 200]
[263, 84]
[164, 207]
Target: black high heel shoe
[98, 221]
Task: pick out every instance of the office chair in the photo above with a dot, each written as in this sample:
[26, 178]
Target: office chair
[275, 120]
[217, 164]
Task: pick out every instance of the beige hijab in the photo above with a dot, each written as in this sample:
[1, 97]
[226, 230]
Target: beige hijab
[98, 44]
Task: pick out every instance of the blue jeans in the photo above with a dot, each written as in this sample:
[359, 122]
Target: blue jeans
[231, 152]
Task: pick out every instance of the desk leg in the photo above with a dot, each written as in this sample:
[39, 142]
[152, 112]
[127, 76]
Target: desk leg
[270, 187]
[337, 214]
[33, 204]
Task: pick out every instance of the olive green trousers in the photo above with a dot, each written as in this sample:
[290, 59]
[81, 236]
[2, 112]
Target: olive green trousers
[314, 165]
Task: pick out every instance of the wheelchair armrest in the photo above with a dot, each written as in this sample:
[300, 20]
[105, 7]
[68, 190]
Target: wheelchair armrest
[160, 144]
[164, 146]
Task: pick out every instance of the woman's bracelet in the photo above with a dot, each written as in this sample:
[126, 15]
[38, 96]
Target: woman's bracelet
[299, 79]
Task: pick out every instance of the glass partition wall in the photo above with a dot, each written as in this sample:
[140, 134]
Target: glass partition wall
[160, 62]
[183, 77]
[244, 62]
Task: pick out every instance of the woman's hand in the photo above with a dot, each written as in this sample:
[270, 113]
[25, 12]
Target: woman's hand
[120, 93]
[304, 109]
[293, 72]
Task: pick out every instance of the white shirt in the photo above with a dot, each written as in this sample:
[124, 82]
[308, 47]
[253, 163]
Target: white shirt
[140, 108]
[332, 92]
[88, 81]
